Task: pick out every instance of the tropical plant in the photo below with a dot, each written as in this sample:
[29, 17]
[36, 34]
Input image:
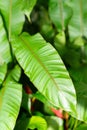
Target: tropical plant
[43, 65]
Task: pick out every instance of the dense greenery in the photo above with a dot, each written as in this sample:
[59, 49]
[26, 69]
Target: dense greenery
[43, 65]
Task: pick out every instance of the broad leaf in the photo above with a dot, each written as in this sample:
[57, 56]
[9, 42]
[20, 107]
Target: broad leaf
[44, 67]
[4, 44]
[12, 15]
[3, 71]
[60, 13]
[37, 122]
[10, 100]
[78, 22]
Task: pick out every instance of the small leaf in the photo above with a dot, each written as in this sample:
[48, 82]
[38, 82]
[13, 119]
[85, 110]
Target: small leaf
[54, 123]
[37, 122]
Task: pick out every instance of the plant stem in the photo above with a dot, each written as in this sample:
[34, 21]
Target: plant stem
[76, 122]
[61, 14]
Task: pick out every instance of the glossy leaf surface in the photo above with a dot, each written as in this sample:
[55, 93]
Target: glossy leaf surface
[44, 67]
[37, 122]
[10, 100]
[4, 44]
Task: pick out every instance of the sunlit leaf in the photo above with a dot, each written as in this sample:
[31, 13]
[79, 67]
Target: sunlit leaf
[4, 44]
[10, 100]
[37, 122]
[12, 15]
[44, 67]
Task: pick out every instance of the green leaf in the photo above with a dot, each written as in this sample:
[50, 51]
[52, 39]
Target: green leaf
[82, 127]
[14, 75]
[12, 15]
[54, 123]
[3, 71]
[60, 13]
[26, 101]
[22, 122]
[37, 122]
[80, 82]
[59, 42]
[40, 97]
[4, 44]
[78, 22]
[44, 67]
[28, 7]
[81, 109]
[10, 100]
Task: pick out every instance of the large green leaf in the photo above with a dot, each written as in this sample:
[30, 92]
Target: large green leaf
[78, 23]
[12, 15]
[4, 44]
[44, 67]
[60, 13]
[10, 100]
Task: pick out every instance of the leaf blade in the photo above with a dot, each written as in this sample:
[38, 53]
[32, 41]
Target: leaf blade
[44, 67]
[10, 100]
[77, 25]
[14, 17]
[60, 13]
[4, 44]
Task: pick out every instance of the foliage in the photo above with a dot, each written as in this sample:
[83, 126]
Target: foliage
[43, 64]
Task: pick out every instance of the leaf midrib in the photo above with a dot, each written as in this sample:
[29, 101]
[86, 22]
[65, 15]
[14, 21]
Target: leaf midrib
[39, 61]
[61, 14]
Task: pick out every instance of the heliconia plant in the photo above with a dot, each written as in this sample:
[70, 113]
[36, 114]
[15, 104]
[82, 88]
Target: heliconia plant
[43, 65]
